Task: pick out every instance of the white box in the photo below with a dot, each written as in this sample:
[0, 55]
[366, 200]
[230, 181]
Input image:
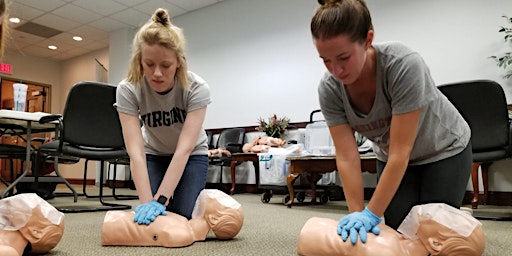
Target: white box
[274, 168]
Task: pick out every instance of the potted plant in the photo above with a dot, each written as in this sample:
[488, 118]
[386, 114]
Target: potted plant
[505, 61]
[275, 127]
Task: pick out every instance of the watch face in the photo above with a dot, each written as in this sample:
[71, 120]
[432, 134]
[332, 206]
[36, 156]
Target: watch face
[162, 199]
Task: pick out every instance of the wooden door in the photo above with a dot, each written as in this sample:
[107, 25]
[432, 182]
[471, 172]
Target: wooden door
[37, 96]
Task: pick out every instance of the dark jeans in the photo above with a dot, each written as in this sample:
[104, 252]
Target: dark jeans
[443, 181]
[190, 185]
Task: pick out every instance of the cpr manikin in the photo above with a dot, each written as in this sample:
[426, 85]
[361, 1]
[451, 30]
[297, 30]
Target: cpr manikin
[262, 144]
[29, 224]
[214, 210]
[430, 229]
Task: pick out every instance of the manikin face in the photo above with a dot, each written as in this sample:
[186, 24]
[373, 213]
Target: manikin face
[343, 58]
[159, 65]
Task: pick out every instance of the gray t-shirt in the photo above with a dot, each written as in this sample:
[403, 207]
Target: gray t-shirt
[163, 115]
[404, 84]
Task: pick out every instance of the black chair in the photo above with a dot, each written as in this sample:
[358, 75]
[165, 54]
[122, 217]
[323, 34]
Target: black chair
[89, 129]
[483, 105]
[231, 139]
[209, 135]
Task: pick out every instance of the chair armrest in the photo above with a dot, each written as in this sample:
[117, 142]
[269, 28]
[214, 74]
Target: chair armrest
[50, 118]
[60, 130]
[234, 147]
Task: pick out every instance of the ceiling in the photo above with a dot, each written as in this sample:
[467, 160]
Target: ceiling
[55, 22]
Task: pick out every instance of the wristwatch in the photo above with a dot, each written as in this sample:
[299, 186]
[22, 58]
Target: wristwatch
[162, 199]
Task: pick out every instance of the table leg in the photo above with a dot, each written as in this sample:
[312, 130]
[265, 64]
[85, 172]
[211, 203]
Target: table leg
[474, 179]
[314, 180]
[233, 183]
[289, 183]
[256, 164]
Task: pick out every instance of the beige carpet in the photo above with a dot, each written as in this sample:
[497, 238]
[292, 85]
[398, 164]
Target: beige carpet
[269, 229]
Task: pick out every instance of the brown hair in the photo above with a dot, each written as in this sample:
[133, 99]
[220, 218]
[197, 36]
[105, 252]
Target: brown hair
[158, 30]
[341, 17]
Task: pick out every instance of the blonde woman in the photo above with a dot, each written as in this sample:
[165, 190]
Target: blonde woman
[168, 153]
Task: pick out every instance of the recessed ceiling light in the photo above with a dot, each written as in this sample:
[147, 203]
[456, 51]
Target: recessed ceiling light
[14, 20]
[52, 47]
[77, 38]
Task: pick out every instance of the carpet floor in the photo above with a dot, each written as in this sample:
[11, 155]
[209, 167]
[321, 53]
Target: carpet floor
[269, 229]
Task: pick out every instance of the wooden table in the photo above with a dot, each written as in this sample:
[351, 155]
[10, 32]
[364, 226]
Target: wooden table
[317, 165]
[244, 157]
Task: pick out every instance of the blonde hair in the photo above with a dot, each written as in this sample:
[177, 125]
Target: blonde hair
[158, 31]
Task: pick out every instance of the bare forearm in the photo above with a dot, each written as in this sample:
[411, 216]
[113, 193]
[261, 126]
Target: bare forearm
[141, 178]
[352, 181]
[388, 185]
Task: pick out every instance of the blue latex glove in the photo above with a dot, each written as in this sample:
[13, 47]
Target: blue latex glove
[358, 223]
[146, 213]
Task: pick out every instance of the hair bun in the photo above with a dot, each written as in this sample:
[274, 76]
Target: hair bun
[161, 16]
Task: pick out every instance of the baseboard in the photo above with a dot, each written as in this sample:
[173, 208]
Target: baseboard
[336, 193]
[108, 183]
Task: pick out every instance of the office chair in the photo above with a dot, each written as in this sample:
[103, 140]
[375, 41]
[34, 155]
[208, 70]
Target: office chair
[209, 136]
[483, 105]
[89, 129]
[231, 139]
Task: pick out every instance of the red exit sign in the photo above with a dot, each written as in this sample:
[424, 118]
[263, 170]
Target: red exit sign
[5, 68]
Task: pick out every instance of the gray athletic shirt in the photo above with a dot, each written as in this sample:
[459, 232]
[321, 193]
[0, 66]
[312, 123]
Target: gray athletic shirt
[404, 84]
[163, 115]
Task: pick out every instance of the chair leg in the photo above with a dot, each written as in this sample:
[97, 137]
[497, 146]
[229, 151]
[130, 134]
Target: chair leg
[84, 182]
[113, 206]
[476, 190]
[220, 179]
[56, 164]
[120, 197]
[105, 206]
[485, 180]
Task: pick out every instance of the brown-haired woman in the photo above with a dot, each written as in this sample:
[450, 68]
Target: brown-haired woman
[385, 92]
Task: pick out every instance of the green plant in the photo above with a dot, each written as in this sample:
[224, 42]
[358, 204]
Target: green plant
[505, 61]
[276, 127]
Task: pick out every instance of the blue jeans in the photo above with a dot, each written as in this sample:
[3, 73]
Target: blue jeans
[190, 185]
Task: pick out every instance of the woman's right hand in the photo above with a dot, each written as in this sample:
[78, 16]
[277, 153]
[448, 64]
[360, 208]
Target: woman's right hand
[147, 213]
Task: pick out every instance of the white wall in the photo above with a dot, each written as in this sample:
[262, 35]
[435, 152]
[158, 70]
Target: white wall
[36, 69]
[258, 56]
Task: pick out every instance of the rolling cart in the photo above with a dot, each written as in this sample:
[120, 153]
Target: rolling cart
[274, 169]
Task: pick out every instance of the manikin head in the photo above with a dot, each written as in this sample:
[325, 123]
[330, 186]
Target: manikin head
[35, 219]
[223, 214]
[444, 230]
